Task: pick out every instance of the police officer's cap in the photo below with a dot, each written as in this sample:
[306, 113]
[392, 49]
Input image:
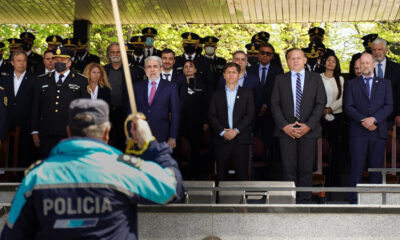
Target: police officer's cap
[138, 40]
[260, 37]
[81, 43]
[2, 45]
[368, 39]
[70, 42]
[14, 42]
[27, 35]
[98, 111]
[189, 37]
[54, 40]
[62, 52]
[209, 41]
[149, 32]
[316, 31]
[314, 49]
[252, 48]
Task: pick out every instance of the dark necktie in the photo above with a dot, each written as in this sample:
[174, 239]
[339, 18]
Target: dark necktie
[367, 86]
[263, 76]
[148, 52]
[59, 82]
[137, 60]
[380, 71]
[189, 57]
[166, 76]
[299, 94]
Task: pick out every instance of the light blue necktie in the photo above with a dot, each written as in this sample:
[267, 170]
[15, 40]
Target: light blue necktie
[380, 72]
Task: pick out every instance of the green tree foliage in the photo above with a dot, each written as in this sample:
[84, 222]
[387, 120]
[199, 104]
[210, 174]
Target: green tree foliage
[343, 38]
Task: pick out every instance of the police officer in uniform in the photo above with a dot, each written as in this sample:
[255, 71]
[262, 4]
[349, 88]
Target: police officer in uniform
[138, 43]
[53, 93]
[367, 42]
[216, 63]
[315, 54]
[13, 44]
[83, 57]
[35, 61]
[252, 50]
[149, 34]
[317, 34]
[71, 43]
[262, 38]
[53, 41]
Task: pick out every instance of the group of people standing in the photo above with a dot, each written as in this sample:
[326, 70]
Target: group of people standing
[185, 97]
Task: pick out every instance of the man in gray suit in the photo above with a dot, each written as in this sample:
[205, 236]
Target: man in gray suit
[297, 102]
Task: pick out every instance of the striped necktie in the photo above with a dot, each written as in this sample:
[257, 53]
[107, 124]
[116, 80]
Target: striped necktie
[299, 94]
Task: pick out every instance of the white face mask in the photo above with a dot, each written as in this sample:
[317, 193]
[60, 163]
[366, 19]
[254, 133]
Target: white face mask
[210, 50]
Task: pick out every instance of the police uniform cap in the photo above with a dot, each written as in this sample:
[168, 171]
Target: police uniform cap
[189, 37]
[316, 31]
[149, 32]
[138, 40]
[27, 35]
[260, 37]
[313, 48]
[98, 111]
[70, 42]
[14, 42]
[368, 39]
[209, 41]
[54, 40]
[2, 45]
[62, 52]
[252, 48]
[81, 43]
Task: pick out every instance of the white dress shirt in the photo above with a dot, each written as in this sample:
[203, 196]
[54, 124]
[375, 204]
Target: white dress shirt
[17, 82]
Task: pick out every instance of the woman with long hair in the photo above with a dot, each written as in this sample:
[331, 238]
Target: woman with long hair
[98, 85]
[333, 116]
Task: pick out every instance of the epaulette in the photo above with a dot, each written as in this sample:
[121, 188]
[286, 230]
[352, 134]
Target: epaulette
[44, 74]
[1, 88]
[32, 166]
[131, 160]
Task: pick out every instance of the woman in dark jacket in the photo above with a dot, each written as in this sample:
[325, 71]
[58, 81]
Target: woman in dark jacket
[98, 85]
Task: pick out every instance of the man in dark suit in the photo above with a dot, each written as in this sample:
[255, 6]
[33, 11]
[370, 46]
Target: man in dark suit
[35, 61]
[297, 102]
[119, 94]
[266, 71]
[368, 102]
[231, 114]
[168, 73]
[48, 63]
[19, 89]
[52, 95]
[388, 70]
[261, 38]
[158, 99]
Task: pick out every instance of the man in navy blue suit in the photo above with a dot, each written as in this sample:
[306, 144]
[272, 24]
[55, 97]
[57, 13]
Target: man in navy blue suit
[368, 102]
[158, 99]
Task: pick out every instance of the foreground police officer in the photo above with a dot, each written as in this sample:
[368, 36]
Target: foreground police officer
[53, 94]
[87, 189]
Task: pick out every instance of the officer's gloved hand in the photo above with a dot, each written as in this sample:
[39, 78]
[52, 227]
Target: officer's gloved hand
[140, 130]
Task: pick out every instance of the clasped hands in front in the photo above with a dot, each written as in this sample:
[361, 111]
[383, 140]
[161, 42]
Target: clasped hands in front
[229, 134]
[369, 123]
[296, 130]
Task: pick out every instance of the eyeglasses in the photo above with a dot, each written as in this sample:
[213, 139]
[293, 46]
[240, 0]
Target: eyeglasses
[266, 53]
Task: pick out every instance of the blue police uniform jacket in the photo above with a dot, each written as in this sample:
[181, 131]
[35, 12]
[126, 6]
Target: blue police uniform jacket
[89, 190]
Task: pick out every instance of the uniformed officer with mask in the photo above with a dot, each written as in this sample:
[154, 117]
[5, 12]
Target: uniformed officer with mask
[138, 43]
[53, 41]
[35, 61]
[83, 57]
[149, 35]
[53, 94]
[216, 63]
[252, 53]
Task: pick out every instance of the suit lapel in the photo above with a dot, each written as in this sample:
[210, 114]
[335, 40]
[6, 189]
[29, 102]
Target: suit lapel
[306, 89]
[235, 106]
[288, 86]
[23, 84]
[375, 85]
[224, 105]
[145, 94]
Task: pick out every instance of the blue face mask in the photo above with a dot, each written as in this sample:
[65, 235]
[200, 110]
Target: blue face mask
[149, 41]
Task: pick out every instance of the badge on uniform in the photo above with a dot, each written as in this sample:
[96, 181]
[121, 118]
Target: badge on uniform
[73, 86]
[5, 101]
[45, 86]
